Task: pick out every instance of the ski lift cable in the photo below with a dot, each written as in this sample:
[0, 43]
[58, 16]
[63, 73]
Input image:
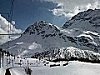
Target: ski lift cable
[12, 34]
[11, 10]
[10, 16]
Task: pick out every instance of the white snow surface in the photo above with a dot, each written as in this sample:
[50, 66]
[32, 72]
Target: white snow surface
[73, 68]
[2, 71]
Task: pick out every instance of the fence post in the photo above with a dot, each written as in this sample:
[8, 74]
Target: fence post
[0, 56]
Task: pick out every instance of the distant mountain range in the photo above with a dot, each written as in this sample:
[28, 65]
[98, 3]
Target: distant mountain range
[79, 38]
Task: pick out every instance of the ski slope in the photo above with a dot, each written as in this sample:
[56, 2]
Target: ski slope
[73, 68]
[2, 71]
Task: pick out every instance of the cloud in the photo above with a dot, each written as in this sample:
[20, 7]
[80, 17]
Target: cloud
[58, 12]
[69, 8]
[6, 28]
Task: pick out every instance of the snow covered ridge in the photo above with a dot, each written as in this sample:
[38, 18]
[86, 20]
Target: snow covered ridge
[42, 27]
[86, 26]
[88, 20]
[69, 53]
[38, 37]
[82, 38]
[88, 39]
[43, 36]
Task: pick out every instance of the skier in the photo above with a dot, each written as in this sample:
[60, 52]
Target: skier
[7, 72]
[28, 71]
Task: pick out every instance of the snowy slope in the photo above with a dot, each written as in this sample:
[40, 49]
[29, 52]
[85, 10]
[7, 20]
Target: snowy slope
[85, 39]
[87, 25]
[2, 71]
[74, 68]
[88, 20]
[38, 37]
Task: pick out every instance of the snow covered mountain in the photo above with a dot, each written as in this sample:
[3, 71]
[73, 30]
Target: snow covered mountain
[88, 20]
[42, 37]
[38, 37]
[87, 24]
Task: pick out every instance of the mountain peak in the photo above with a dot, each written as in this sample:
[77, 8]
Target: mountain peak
[40, 26]
[88, 20]
[34, 26]
[40, 23]
[90, 13]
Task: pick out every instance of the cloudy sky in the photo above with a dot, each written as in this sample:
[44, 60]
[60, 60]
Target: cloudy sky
[26, 12]
[57, 12]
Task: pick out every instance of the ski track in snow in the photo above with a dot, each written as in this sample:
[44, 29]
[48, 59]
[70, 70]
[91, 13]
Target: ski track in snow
[17, 71]
[72, 69]
[2, 71]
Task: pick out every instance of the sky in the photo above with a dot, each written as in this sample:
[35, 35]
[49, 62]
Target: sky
[26, 12]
